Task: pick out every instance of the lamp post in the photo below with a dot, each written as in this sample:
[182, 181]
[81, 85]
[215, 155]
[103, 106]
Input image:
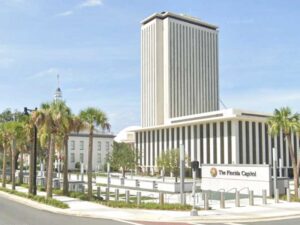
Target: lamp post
[26, 112]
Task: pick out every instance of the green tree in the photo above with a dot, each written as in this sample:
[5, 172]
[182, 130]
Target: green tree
[169, 160]
[5, 141]
[93, 118]
[51, 119]
[123, 157]
[287, 122]
[75, 124]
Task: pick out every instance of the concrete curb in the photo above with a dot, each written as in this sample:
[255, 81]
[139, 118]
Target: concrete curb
[188, 219]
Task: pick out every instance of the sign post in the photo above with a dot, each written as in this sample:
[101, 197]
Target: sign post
[182, 169]
[195, 166]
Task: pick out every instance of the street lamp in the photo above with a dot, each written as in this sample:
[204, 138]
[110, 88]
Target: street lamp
[26, 112]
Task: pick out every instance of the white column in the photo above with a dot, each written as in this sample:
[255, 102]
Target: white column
[270, 149]
[186, 140]
[165, 140]
[250, 143]
[211, 142]
[244, 143]
[218, 143]
[175, 137]
[204, 144]
[151, 149]
[263, 132]
[144, 160]
[235, 142]
[147, 150]
[226, 160]
[257, 142]
[276, 145]
[170, 138]
[286, 152]
[198, 144]
[192, 144]
[281, 145]
[155, 147]
[161, 143]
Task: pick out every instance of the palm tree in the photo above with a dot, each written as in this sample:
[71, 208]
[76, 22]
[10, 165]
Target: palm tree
[93, 118]
[22, 146]
[283, 119]
[75, 125]
[4, 137]
[29, 138]
[51, 119]
[14, 129]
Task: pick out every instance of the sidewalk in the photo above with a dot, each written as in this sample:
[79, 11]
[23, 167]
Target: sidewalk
[270, 211]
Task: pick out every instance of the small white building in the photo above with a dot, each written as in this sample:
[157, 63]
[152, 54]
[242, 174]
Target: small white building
[78, 148]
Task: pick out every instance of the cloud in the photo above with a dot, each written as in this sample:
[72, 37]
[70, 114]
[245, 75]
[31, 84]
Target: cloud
[66, 13]
[90, 3]
[84, 4]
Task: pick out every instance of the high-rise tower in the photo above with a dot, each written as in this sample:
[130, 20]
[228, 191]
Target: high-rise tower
[179, 68]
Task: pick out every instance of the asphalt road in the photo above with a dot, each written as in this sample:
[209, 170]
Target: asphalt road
[14, 213]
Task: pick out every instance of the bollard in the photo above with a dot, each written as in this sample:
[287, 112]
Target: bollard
[127, 196]
[138, 198]
[264, 197]
[107, 194]
[251, 198]
[98, 192]
[161, 198]
[116, 194]
[237, 199]
[206, 204]
[222, 200]
[288, 195]
[277, 196]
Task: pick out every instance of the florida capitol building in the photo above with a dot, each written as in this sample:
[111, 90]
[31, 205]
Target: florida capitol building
[180, 100]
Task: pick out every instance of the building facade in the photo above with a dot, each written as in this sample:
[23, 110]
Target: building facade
[180, 96]
[222, 137]
[179, 67]
[78, 147]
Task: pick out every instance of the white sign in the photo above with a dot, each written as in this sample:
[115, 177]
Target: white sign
[226, 177]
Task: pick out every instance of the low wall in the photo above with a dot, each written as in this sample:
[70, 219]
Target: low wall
[229, 177]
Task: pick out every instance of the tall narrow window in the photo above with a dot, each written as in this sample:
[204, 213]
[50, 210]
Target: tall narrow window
[81, 146]
[72, 157]
[81, 157]
[73, 145]
[99, 146]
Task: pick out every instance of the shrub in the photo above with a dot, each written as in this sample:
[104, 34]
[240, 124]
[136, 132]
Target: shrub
[41, 199]
[148, 205]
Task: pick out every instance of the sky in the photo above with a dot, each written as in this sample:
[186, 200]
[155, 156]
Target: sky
[95, 47]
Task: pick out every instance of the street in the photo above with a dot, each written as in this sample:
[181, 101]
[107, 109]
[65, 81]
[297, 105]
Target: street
[14, 213]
